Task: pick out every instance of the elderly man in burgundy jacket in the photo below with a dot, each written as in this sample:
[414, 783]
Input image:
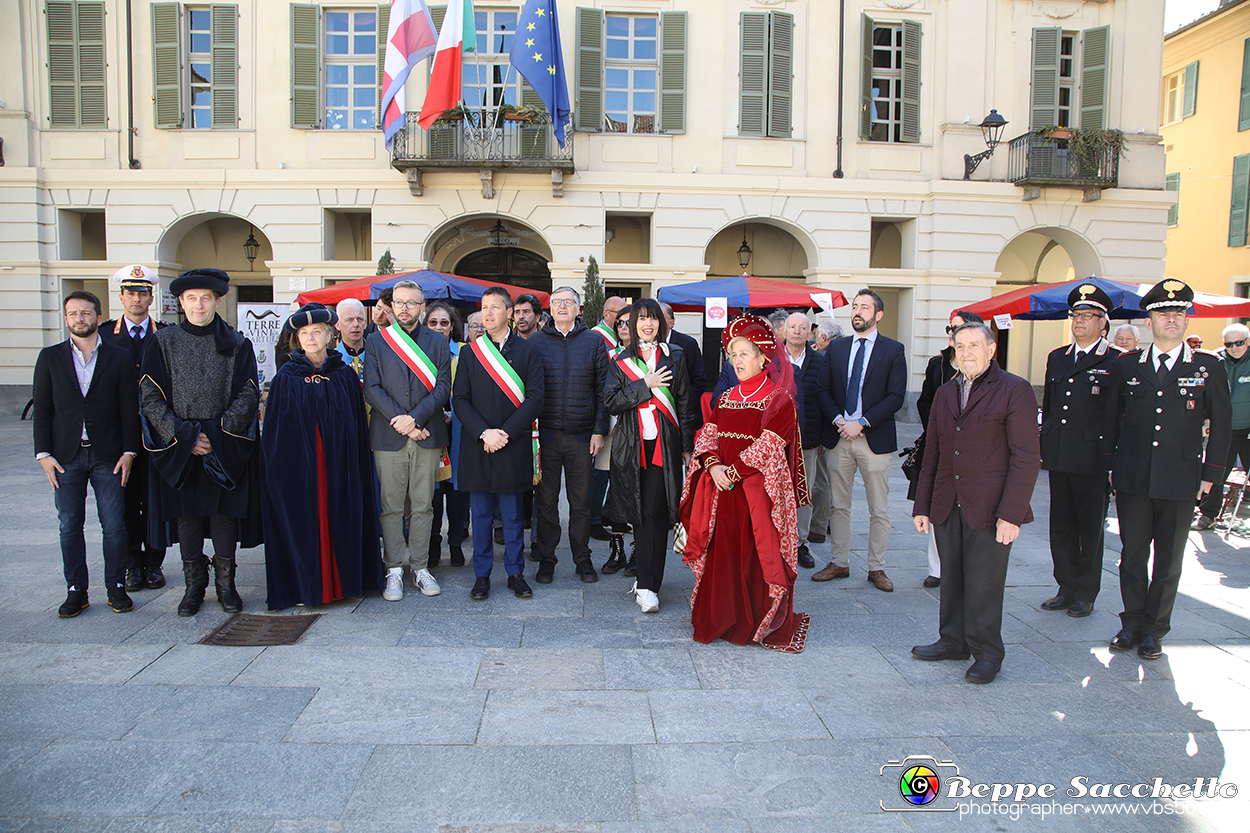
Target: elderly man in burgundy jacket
[981, 463]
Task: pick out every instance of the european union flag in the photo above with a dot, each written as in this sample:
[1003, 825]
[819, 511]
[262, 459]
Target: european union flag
[536, 55]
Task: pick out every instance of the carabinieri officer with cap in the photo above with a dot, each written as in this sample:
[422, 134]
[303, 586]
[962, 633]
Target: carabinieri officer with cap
[1161, 397]
[1074, 413]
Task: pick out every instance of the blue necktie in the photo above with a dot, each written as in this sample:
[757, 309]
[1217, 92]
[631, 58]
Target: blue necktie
[857, 375]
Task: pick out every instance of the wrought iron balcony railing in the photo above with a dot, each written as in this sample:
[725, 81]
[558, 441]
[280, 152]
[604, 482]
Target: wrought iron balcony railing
[481, 139]
[1049, 161]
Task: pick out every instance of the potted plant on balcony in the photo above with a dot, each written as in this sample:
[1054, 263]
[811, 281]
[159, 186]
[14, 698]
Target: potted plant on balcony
[511, 112]
[453, 114]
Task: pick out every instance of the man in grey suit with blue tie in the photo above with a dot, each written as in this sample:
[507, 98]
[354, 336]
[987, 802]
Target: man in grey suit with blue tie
[863, 385]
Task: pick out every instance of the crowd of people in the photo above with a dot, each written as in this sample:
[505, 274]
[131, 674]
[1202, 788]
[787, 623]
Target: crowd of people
[377, 427]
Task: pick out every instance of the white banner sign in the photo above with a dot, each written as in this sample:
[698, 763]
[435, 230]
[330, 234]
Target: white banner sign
[717, 314]
[169, 306]
[262, 324]
[1003, 321]
[825, 299]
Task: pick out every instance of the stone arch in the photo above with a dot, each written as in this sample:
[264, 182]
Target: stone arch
[463, 246]
[780, 249]
[215, 239]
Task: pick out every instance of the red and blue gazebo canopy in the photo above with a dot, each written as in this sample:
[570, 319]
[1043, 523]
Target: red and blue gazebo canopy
[1049, 301]
[744, 292]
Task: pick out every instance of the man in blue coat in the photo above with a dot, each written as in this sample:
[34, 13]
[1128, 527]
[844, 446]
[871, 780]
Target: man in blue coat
[498, 395]
[863, 386]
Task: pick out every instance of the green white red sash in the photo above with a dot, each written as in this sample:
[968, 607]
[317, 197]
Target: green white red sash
[412, 355]
[605, 331]
[661, 397]
[508, 381]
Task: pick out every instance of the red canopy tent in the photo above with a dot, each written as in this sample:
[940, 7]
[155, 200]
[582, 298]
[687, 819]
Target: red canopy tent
[1019, 303]
[437, 282]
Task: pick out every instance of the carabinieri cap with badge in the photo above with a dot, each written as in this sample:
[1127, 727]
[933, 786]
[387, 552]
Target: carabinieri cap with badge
[1089, 296]
[1168, 294]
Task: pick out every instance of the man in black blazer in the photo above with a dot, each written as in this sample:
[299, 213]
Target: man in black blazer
[1074, 413]
[133, 331]
[809, 366]
[87, 430]
[864, 384]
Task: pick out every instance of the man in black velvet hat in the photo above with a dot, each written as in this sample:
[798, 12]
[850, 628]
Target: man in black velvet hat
[198, 399]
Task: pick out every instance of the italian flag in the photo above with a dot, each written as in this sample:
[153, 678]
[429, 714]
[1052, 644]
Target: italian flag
[444, 90]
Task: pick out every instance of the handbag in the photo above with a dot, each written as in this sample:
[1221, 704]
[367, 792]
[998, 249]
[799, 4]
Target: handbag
[679, 539]
[913, 459]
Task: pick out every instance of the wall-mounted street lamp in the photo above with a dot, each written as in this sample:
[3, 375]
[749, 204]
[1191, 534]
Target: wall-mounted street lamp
[498, 234]
[992, 130]
[744, 251]
[250, 247]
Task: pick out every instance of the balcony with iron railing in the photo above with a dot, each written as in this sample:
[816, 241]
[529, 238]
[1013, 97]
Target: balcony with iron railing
[485, 140]
[1036, 161]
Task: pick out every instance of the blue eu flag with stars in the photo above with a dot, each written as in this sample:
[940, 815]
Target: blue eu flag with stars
[536, 55]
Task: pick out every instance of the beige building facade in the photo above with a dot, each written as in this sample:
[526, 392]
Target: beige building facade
[168, 134]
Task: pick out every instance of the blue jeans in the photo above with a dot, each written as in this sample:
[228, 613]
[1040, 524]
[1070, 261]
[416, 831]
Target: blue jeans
[71, 508]
[483, 505]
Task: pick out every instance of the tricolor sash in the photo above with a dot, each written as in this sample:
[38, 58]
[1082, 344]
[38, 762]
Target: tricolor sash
[661, 397]
[605, 331]
[412, 355]
[508, 381]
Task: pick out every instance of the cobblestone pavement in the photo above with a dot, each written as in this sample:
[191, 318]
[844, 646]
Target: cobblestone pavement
[572, 711]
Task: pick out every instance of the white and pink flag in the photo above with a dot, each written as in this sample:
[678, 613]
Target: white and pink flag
[410, 39]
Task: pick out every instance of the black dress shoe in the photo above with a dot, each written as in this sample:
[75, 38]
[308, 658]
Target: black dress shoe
[805, 557]
[932, 581]
[1080, 609]
[1150, 647]
[517, 585]
[938, 651]
[498, 535]
[1057, 602]
[981, 672]
[481, 589]
[1125, 640]
[153, 578]
[457, 555]
[134, 579]
[75, 603]
[600, 532]
[815, 538]
[586, 572]
[119, 601]
[545, 574]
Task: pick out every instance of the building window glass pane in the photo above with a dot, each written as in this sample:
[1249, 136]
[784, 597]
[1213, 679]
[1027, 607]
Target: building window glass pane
[200, 38]
[630, 73]
[887, 83]
[350, 50]
[485, 79]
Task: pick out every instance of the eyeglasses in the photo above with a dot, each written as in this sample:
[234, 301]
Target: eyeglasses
[438, 322]
[1241, 343]
[1084, 316]
[563, 302]
[407, 304]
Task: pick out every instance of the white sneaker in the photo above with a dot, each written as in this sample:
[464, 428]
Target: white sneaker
[425, 582]
[394, 591]
[646, 599]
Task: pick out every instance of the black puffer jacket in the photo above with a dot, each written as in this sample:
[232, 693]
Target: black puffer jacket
[576, 367]
[807, 384]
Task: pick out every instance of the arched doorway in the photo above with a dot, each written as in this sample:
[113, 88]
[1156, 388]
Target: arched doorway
[217, 241]
[1039, 256]
[492, 248]
[775, 252]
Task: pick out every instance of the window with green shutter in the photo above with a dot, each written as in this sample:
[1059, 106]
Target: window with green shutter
[1243, 115]
[1095, 61]
[890, 85]
[1172, 182]
[305, 66]
[1190, 105]
[673, 72]
[588, 74]
[167, 64]
[225, 64]
[384, 27]
[76, 65]
[1241, 195]
[766, 74]
[196, 65]
[1044, 90]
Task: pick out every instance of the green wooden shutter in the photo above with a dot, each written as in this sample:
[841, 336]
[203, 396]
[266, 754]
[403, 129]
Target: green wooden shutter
[780, 74]
[225, 62]
[91, 112]
[167, 64]
[672, 115]
[1243, 115]
[437, 13]
[533, 135]
[1241, 190]
[865, 79]
[588, 80]
[1095, 61]
[76, 65]
[305, 66]
[910, 126]
[1190, 101]
[1044, 95]
[1172, 182]
[752, 73]
[384, 25]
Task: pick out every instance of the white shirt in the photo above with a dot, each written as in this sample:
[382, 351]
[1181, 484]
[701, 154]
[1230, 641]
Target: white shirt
[850, 365]
[798, 363]
[84, 369]
[650, 418]
[145, 324]
[1172, 356]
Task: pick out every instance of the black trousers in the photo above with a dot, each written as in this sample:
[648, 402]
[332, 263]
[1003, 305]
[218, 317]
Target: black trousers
[223, 530]
[974, 573]
[1078, 517]
[138, 553]
[651, 536]
[1239, 447]
[1149, 595]
[457, 516]
[564, 453]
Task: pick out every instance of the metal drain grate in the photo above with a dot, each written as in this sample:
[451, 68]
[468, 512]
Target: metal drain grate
[244, 630]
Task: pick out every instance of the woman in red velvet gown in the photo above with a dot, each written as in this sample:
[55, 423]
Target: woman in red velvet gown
[739, 504]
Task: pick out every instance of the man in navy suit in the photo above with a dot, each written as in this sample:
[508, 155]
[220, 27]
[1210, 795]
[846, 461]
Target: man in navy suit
[863, 386]
[87, 430]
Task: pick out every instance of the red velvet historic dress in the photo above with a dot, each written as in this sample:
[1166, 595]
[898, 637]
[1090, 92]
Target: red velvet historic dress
[742, 543]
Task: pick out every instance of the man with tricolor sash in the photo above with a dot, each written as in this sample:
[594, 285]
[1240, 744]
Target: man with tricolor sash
[498, 395]
[407, 383]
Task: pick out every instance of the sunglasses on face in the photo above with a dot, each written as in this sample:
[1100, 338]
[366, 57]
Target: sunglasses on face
[1241, 343]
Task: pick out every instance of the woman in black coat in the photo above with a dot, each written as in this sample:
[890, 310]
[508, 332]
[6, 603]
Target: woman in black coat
[649, 392]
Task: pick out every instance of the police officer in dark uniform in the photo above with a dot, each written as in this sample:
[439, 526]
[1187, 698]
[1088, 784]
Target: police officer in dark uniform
[133, 331]
[1074, 412]
[1153, 441]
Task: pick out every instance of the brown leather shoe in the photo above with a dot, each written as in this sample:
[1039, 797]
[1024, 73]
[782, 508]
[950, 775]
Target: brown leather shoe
[881, 580]
[831, 572]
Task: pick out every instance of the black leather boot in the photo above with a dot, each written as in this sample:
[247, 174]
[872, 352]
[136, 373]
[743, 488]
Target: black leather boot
[616, 555]
[196, 574]
[631, 566]
[223, 573]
